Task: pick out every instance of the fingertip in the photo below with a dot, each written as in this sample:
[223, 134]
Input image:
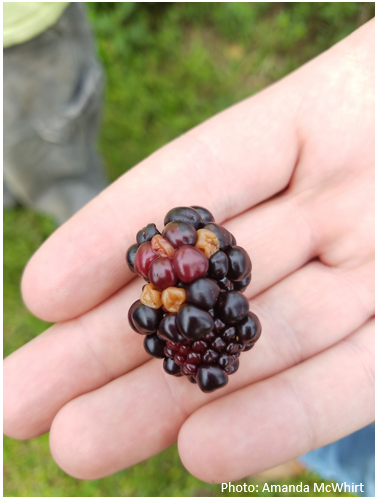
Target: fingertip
[73, 447]
[13, 426]
[21, 417]
[47, 284]
[37, 289]
[202, 448]
[67, 277]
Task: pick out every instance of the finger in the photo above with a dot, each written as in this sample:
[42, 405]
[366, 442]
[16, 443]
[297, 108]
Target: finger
[310, 405]
[155, 405]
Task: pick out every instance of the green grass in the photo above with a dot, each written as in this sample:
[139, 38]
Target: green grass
[169, 66]
[30, 471]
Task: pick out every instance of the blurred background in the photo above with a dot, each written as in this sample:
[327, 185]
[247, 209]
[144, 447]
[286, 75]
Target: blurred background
[168, 66]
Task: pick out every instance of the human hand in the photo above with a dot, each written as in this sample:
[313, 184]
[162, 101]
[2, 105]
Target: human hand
[291, 169]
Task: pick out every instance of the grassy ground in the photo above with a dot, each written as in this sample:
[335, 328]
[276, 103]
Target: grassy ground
[169, 66]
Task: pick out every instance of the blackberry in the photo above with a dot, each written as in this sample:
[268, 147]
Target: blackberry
[191, 311]
[249, 329]
[231, 307]
[199, 346]
[162, 273]
[218, 344]
[184, 214]
[248, 347]
[146, 234]
[240, 265]
[168, 329]
[228, 333]
[145, 255]
[170, 366]
[145, 319]
[225, 284]
[210, 356]
[218, 265]
[233, 368]
[241, 285]
[194, 322]
[219, 325]
[226, 360]
[189, 263]
[206, 216]
[210, 378]
[154, 346]
[180, 233]
[130, 315]
[224, 236]
[130, 256]
[233, 240]
[232, 348]
[203, 292]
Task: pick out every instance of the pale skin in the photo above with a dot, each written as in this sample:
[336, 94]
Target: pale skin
[290, 173]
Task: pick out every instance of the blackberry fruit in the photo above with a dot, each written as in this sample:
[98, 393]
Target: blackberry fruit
[130, 256]
[210, 356]
[145, 255]
[145, 319]
[206, 216]
[168, 329]
[170, 366]
[224, 236]
[226, 360]
[239, 264]
[199, 346]
[210, 378]
[203, 292]
[184, 214]
[180, 233]
[194, 322]
[241, 285]
[233, 241]
[248, 347]
[189, 263]
[146, 234]
[154, 346]
[191, 311]
[231, 307]
[130, 315]
[228, 332]
[218, 344]
[233, 368]
[218, 265]
[162, 273]
[225, 284]
[249, 329]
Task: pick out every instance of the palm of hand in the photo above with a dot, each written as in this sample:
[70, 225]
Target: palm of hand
[292, 168]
